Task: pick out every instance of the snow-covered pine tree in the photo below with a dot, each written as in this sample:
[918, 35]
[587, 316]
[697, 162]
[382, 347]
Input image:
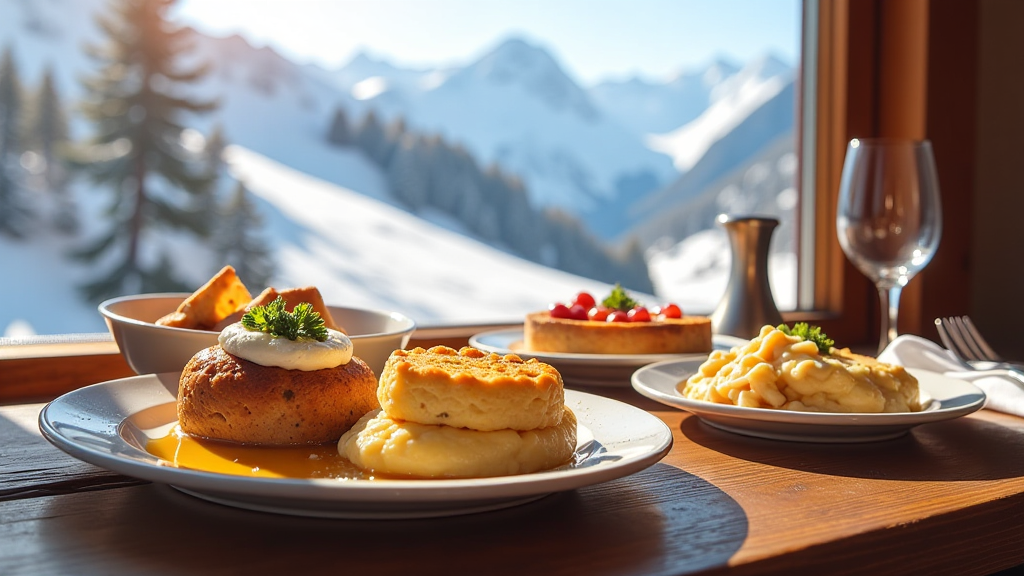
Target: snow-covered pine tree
[136, 104]
[212, 159]
[46, 134]
[239, 242]
[371, 138]
[408, 173]
[14, 210]
[340, 132]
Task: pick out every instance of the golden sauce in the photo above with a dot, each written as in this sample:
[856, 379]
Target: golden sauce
[302, 461]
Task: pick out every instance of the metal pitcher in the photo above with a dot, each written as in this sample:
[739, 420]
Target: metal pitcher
[748, 303]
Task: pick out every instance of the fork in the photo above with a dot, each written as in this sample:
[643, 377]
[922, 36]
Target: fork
[964, 340]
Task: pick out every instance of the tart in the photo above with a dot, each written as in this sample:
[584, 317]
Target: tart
[543, 333]
[618, 325]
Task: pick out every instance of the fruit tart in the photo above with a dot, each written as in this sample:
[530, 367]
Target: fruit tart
[617, 325]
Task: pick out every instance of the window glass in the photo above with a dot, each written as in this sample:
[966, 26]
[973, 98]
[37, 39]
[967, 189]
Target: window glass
[458, 161]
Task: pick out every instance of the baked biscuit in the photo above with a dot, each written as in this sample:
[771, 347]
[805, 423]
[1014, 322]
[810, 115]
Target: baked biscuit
[388, 446]
[470, 388]
[224, 397]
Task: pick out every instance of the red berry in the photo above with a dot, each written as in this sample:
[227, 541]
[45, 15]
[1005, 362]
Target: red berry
[560, 311]
[671, 311]
[617, 316]
[585, 299]
[577, 312]
[639, 314]
[598, 313]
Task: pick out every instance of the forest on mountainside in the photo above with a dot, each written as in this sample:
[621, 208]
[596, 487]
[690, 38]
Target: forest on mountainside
[427, 172]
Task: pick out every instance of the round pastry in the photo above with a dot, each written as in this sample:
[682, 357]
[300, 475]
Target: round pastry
[470, 388]
[223, 396]
[388, 446]
[544, 333]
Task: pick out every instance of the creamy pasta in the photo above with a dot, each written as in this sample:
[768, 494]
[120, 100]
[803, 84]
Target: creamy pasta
[775, 370]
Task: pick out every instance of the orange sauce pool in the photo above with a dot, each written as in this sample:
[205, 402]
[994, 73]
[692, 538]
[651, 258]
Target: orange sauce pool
[301, 461]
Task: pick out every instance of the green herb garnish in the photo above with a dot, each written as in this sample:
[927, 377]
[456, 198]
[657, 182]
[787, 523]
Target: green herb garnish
[301, 323]
[619, 300]
[812, 333]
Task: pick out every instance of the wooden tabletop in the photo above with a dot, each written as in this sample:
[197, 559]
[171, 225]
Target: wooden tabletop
[946, 499]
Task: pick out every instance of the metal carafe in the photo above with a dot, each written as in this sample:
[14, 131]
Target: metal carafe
[748, 303]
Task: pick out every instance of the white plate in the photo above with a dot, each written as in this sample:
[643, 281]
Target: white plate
[945, 399]
[587, 369]
[107, 424]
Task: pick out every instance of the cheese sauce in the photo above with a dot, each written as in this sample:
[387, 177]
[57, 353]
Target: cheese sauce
[301, 461]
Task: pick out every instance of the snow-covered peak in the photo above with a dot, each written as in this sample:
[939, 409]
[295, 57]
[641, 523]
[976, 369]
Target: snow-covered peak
[732, 101]
[363, 66]
[764, 69]
[652, 107]
[517, 62]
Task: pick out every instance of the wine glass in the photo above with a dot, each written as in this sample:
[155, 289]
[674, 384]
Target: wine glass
[889, 218]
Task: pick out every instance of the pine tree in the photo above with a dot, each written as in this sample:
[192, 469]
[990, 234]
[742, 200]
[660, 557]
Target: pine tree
[373, 140]
[340, 133]
[136, 104]
[239, 242]
[46, 133]
[212, 158]
[14, 211]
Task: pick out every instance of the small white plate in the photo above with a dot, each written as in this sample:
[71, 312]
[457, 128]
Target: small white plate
[108, 424]
[613, 370]
[944, 399]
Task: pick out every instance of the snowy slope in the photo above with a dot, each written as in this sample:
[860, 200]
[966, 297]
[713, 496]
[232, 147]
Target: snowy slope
[357, 250]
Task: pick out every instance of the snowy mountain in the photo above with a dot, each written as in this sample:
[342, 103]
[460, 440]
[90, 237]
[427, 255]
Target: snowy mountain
[517, 107]
[749, 111]
[647, 107]
[755, 135]
[732, 101]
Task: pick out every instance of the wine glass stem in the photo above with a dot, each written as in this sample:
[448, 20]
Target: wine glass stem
[890, 300]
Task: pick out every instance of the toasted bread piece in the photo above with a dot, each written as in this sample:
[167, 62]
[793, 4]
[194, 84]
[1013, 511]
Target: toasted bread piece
[292, 297]
[221, 296]
[471, 389]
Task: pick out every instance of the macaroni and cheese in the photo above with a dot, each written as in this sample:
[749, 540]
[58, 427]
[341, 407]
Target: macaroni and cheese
[775, 370]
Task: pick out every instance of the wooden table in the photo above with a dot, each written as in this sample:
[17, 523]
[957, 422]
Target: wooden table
[946, 499]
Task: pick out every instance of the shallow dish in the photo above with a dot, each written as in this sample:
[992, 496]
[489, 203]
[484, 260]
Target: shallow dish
[107, 425]
[612, 370]
[150, 348]
[944, 399]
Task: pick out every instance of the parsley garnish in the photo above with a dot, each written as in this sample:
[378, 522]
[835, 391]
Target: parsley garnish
[302, 322]
[619, 300]
[812, 333]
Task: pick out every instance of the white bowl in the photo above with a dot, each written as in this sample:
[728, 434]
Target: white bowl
[150, 348]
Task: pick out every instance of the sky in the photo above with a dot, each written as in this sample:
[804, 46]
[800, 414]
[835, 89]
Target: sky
[594, 39]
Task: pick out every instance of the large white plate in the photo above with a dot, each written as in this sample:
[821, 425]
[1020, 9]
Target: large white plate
[944, 398]
[107, 424]
[587, 369]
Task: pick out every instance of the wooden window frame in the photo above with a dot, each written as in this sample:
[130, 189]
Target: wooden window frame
[879, 70]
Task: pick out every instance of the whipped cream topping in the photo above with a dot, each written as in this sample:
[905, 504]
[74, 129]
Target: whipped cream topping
[266, 350]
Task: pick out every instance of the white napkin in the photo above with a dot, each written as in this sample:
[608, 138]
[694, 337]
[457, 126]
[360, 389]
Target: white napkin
[1003, 394]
